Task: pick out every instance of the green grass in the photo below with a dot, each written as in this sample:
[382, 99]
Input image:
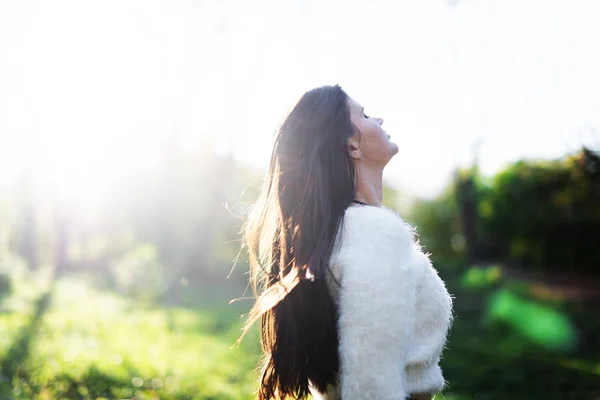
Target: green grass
[81, 343]
[71, 340]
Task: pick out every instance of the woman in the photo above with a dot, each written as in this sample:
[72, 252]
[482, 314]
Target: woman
[350, 307]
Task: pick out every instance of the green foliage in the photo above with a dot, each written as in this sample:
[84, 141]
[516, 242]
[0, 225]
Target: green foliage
[91, 344]
[504, 344]
[539, 214]
[545, 214]
[538, 322]
[478, 278]
[438, 227]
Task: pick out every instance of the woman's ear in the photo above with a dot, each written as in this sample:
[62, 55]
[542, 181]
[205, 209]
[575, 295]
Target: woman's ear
[355, 153]
[354, 149]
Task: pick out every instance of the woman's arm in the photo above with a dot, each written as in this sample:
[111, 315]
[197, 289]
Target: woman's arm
[434, 316]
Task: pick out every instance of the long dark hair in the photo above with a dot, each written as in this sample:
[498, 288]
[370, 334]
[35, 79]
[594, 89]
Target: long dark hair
[290, 235]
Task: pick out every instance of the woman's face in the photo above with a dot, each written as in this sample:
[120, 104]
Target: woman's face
[371, 142]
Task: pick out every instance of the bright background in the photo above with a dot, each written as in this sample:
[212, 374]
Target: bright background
[90, 89]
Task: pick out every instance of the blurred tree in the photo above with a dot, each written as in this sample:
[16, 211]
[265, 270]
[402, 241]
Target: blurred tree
[439, 227]
[466, 198]
[190, 208]
[539, 214]
[27, 245]
[545, 213]
[62, 226]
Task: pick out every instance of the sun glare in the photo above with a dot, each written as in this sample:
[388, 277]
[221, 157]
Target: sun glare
[84, 104]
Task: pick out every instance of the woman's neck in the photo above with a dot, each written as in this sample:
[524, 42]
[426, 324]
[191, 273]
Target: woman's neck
[369, 188]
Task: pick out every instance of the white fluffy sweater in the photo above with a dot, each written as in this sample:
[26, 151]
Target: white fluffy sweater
[394, 310]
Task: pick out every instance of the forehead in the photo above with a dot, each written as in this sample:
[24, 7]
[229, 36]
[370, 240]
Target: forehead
[354, 105]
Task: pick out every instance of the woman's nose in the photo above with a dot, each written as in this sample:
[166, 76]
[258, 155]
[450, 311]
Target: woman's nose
[379, 120]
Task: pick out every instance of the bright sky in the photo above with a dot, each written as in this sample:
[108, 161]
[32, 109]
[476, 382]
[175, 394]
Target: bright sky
[92, 89]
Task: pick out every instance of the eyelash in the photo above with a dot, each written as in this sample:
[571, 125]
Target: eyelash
[366, 116]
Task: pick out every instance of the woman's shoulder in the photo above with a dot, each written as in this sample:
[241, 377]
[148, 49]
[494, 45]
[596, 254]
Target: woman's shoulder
[376, 236]
[368, 229]
[361, 220]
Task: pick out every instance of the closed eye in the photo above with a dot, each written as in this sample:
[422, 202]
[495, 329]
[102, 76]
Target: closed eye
[363, 111]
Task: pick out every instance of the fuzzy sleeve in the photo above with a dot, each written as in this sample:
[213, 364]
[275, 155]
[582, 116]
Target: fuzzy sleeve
[434, 311]
[377, 298]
